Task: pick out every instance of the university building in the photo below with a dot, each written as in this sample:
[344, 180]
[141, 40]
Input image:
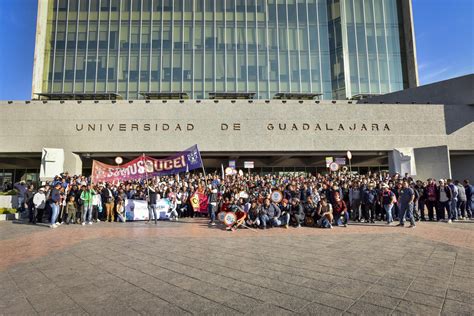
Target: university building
[283, 83]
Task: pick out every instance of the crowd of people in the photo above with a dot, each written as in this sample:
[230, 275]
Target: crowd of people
[306, 200]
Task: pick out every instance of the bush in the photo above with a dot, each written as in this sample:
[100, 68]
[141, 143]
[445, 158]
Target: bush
[7, 211]
[11, 192]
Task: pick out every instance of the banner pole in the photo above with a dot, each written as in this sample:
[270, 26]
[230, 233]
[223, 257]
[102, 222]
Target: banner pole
[202, 165]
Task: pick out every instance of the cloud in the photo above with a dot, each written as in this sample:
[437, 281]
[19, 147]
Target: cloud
[433, 75]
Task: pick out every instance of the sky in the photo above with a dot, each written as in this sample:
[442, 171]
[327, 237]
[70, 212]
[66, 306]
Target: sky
[444, 31]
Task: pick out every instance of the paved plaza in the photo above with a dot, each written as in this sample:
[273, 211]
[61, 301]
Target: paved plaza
[186, 267]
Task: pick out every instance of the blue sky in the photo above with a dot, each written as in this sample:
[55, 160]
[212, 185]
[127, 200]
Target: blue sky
[444, 38]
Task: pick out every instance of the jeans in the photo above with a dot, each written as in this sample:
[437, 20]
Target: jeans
[369, 210]
[282, 220]
[21, 204]
[446, 205]
[462, 208]
[431, 206]
[174, 214]
[337, 218]
[421, 209]
[264, 219]
[212, 212]
[152, 211]
[32, 213]
[356, 210]
[54, 212]
[87, 213]
[406, 209]
[454, 208]
[388, 211]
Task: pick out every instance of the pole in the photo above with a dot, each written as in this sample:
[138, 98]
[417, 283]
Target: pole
[202, 165]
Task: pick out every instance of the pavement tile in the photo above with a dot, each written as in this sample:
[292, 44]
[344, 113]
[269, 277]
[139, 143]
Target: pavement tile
[380, 300]
[319, 309]
[457, 308]
[412, 308]
[465, 297]
[425, 299]
[363, 308]
[269, 309]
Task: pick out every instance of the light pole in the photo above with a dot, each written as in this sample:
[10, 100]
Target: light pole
[349, 156]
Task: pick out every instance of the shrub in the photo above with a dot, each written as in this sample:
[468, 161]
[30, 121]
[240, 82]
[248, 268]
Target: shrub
[11, 192]
[7, 211]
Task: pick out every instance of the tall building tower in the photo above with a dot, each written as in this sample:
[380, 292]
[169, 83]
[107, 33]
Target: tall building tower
[335, 48]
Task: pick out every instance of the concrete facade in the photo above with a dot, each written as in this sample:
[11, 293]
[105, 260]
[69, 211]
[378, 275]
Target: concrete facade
[229, 127]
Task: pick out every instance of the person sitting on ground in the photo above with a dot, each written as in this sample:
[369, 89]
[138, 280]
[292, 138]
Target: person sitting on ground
[297, 212]
[324, 214]
[253, 217]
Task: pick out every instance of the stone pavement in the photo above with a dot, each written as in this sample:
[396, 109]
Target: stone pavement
[189, 268]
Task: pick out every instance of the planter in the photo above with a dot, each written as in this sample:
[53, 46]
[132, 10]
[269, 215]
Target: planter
[9, 217]
[8, 201]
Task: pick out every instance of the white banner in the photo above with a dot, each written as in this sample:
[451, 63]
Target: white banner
[137, 210]
[404, 161]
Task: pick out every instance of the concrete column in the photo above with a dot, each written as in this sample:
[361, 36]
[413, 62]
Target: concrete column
[433, 162]
[72, 163]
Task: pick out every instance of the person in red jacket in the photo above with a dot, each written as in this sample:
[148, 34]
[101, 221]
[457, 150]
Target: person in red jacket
[339, 209]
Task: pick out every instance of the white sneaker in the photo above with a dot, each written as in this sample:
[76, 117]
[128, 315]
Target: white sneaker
[177, 219]
[57, 223]
[449, 221]
[83, 223]
[90, 223]
[98, 220]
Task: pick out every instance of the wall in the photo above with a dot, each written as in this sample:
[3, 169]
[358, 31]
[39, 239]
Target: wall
[248, 127]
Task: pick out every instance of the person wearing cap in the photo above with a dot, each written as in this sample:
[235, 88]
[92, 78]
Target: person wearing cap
[406, 198]
[387, 199]
[39, 201]
[443, 196]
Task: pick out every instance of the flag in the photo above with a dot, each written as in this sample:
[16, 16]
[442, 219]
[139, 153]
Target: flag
[199, 202]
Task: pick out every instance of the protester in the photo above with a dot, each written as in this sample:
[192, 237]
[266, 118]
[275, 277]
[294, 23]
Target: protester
[55, 202]
[407, 196]
[309, 200]
[120, 210]
[71, 209]
[86, 197]
[39, 201]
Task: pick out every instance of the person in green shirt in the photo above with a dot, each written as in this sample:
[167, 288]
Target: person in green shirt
[86, 197]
